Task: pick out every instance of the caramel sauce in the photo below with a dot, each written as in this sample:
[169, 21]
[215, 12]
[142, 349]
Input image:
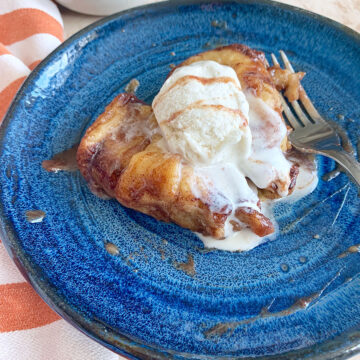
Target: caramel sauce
[351, 250]
[284, 267]
[300, 304]
[112, 249]
[199, 105]
[132, 86]
[187, 267]
[205, 250]
[162, 254]
[35, 216]
[205, 81]
[64, 161]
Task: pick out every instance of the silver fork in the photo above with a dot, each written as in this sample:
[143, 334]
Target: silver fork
[314, 134]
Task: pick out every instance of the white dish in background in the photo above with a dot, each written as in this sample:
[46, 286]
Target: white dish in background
[102, 7]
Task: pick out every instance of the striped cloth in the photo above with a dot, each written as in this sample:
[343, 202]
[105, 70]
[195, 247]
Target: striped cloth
[29, 329]
[29, 30]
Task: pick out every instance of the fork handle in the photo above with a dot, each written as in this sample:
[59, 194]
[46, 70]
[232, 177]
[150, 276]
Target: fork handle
[347, 161]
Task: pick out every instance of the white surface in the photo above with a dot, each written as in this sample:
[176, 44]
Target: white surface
[59, 335]
[41, 45]
[11, 69]
[344, 11]
[9, 273]
[43, 5]
[103, 7]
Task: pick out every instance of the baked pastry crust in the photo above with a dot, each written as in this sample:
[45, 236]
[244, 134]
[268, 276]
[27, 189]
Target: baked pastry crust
[140, 175]
[120, 157]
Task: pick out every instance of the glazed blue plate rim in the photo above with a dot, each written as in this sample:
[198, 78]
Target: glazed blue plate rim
[337, 348]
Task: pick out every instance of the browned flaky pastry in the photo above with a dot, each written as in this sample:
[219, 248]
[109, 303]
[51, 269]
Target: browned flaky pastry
[119, 158]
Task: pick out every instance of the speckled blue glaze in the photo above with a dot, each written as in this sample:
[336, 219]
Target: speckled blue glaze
[139, 302]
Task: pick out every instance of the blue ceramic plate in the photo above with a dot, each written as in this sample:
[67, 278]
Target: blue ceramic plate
[298, 295]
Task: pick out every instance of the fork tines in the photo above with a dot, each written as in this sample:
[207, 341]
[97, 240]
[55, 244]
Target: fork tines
[302, 119]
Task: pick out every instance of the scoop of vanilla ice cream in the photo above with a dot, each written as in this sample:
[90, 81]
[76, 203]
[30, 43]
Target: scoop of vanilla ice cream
[203, 113]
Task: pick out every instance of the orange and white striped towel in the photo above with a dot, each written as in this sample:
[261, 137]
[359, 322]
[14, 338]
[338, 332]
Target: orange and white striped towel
[29, 30]
[29, 329]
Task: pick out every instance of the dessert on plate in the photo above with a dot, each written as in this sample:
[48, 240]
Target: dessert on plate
[210, 154]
